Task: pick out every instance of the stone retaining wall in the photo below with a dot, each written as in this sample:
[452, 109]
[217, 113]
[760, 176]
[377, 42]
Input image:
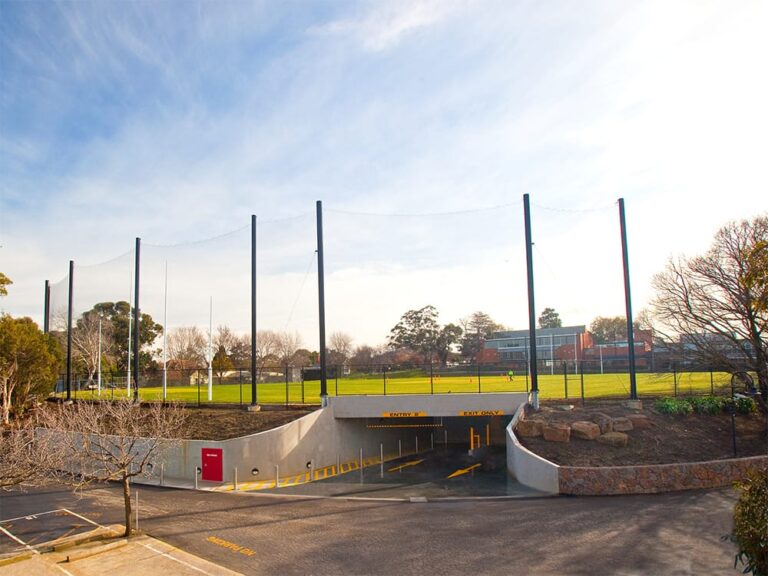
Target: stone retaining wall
[584, 481]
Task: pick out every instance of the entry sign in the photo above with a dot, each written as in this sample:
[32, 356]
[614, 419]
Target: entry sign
[213, 464]
[402, 414]
[481, 413]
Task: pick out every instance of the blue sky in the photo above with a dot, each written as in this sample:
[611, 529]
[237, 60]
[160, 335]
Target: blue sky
[175, 121]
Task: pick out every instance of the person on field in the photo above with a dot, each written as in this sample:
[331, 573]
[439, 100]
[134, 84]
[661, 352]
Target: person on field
[511, 375]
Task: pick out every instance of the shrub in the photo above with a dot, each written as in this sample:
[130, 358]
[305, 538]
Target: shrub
[742, 405]
[706, 404]
[676, 406]
[750, 523]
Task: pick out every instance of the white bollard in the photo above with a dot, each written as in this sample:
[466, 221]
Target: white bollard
[162, 467]
[277, 476]
[235, 482]
[381, 458]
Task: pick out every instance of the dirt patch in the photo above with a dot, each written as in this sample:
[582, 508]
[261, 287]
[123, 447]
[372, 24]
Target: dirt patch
[668, 439]
[224, 423]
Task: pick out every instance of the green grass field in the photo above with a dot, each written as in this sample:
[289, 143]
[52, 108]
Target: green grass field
[550, 387]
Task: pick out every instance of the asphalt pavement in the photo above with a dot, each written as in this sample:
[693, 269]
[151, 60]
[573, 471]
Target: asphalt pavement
[678, 533]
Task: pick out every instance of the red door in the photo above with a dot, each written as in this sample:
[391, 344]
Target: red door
[213, 464]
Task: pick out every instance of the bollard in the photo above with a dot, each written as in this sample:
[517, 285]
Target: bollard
[277, 476]
[311, 470]
[162, 466]
[445, 441]
[432, 440]
[197, 473]
[399, 448]
[381, 459]
[338, 464]
[235, 482]
[417, 443]
[361, 465]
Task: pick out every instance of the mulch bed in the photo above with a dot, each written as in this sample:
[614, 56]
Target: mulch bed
[670, 439]
[224, 423]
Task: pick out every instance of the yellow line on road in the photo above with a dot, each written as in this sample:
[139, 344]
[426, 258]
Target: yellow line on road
[463, 471]
[406, 465]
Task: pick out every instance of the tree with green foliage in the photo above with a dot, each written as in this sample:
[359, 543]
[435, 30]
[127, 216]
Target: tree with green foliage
[120, 314]
[418, 330]
[609, 329]
[716, 303]
[476, 328]
[4, 283]
[550, 319]
[222, 362]
[29, 364]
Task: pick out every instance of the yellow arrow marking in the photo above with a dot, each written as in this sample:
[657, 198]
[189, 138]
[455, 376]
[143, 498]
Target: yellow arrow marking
[406, 465]
[464, 470]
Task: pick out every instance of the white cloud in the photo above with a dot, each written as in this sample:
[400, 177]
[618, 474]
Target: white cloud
[386, 24]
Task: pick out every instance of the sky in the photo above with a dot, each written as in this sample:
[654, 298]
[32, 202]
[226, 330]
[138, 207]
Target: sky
[419, 124]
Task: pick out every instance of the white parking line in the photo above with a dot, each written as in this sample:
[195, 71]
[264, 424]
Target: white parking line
[31, 516]
[19, 540]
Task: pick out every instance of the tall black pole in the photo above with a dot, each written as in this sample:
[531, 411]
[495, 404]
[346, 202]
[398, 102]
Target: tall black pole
[47, 308]
[254, 399]
[69, 330]
[531, 304]
[321, 297]
[136, 324]
[628, 301]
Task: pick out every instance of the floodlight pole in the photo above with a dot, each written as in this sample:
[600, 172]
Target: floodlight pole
[254, 375]
[47, 308]
[69, 331]
[321, 298]
[165, 335]
[210, 353]
[98, 374]
[136, 323]
[531, 305]
[628, 300]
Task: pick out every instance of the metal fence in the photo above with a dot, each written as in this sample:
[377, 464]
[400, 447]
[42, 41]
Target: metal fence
[288, 385]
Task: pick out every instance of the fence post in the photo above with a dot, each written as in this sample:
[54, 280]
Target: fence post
[565, 379]
[197, 376]
[286, 385]
[477, 368]
[302, 388]
[431, 379]
[674, 376]
[241, 387]
[337, 379]
[711, 382]
[581, 375]
[384, 373]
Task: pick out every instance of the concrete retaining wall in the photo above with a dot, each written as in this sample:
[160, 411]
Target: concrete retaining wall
[446, 405]
[317, 436]
[528, 468]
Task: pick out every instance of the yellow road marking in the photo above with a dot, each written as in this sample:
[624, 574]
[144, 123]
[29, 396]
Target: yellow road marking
[231, 546]
[464, 471]
[406, 465]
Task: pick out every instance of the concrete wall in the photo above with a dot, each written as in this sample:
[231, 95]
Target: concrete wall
[430, 405]
[317, 436]
[528, 468]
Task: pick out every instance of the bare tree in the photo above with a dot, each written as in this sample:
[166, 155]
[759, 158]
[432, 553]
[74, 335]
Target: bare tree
[267, 347]
[715, 302]
[21, 459]
[287, 345]
[224, 338]
[340, 348]
[187, 347]
[91, 335]
[112, 441]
